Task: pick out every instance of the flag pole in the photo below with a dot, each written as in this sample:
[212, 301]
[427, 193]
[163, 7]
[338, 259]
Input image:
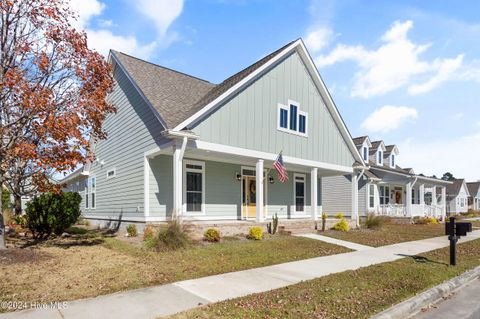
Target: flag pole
[268, 171]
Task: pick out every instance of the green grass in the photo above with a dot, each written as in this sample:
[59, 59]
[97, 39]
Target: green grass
[93, 264]
[388, 234]
[351, 294]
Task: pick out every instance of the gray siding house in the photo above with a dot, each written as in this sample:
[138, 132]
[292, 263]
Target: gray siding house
[183, 147]
[385, 188]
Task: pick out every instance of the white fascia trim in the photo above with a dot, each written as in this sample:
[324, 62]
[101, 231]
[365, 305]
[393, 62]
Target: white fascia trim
[157, 115]
[433, 180]
[269, 156]
[331, 104]
[180, 134]
[162, 149]
[235, 88]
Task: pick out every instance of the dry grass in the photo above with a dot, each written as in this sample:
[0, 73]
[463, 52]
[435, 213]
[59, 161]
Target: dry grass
[351, 294]
[91, 264]
[389, 234]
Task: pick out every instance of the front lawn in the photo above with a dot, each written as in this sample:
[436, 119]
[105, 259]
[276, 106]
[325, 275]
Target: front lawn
[388, 234]
[351, 294]
[91, 264]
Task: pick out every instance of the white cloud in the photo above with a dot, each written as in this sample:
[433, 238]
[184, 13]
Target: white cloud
[161, 12]
[392, 65]
[104, 40]
[388, 118]
[437, 156]
[317, 39]
[86, 9]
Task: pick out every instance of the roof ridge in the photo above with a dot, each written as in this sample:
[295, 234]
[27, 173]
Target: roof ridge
[163, 67]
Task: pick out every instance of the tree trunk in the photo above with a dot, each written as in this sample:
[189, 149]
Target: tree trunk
[2, 226]
[18, 205]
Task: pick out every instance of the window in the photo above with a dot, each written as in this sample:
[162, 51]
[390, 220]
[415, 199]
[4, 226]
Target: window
[299, 193]
[93, 184]
[302, 123]
[413, 195]
[365, 153]
[283, 118]
[371, 196]
[194, 180]
[380, 157]
[393, 160]
[384, 195]
[86, 192]
[291, 119]
[111, 173]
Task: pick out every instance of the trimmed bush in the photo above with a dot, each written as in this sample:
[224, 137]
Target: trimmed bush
[255, 233]
[342, 225]
[374, 222]
[339, 215]
[172, 237]
[52, 213]
[212, 235]
[132, 230]
[425, 220]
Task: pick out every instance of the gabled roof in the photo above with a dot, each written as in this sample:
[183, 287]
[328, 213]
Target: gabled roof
[358, 141]
[172, 94]
[473, 188]
[391, 148]
[454, 189]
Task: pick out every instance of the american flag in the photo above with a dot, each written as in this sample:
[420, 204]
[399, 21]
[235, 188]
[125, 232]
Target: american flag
[280, 167]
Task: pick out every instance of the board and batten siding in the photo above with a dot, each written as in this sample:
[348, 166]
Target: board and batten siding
[337, 195]
[249, 119]
[131, 131]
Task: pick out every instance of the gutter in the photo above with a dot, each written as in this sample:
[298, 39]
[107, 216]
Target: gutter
[180, 134]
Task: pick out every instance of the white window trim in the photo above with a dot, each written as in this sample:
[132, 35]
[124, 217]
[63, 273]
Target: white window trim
[93, 207]
[295, 175]
[114, 173]
[185, 170]
[365, 153]
[299, 112]
[369, 194]
[392, 160]
[379, 157]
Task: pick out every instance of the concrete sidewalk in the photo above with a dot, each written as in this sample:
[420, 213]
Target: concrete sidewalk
[339, 242]
[188, 294]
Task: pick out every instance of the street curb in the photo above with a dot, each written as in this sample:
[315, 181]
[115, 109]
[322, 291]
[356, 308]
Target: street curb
[414, 305]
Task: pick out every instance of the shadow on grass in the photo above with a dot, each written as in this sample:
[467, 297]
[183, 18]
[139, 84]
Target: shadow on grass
[89, 238]
[423, 260]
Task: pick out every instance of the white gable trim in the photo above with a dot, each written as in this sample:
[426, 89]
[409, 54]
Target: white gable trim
[305, 56]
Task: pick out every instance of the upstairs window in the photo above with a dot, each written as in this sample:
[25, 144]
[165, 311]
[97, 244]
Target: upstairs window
[365, 153]
[380, 157]
[291, 119]
[392, 160]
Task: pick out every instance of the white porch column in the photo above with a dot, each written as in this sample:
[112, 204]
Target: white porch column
[314, 192]
[444, 203]
[259, 190]
[408, 198]
[421, 194]
[434, 196]
[178, 151]
[355, 198]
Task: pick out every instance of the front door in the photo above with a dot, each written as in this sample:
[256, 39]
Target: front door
[249, 198]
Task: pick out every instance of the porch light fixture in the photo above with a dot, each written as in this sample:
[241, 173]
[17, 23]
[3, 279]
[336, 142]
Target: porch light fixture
[270, 179]
[238, 176]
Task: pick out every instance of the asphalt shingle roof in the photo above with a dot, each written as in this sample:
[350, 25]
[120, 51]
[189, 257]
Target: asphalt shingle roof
[473, 188]
[177, 96]
[454, 189]
[359, 140]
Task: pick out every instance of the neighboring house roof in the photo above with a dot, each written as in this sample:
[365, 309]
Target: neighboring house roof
[72, 176]
[454, 188]
[358, 141]
[177, 96]
[473, 188]
[391, 148]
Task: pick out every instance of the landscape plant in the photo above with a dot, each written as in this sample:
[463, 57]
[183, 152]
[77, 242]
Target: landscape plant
[255, 233]
[374, 222]
[212, 235]
[342, 225]
[171, 237]
[274, 223]
[324, 221]
[339, 215]
[132, 230]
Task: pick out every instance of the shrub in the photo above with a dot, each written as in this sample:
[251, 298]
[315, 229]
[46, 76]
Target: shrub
[342, 225]
[5, 199]
[19, 220]
[172, 237]
[324, 221]
[255, 233]
[274, 224]
[425, 220]
[211, 235]
[339, 215]
[76, 230]
[52, 213]
[374, 222]
[132, 230]
[148, 232]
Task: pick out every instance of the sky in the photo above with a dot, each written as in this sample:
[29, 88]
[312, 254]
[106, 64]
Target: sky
[406, 72]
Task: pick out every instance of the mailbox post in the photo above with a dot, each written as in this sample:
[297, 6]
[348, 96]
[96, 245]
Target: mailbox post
[455, 231]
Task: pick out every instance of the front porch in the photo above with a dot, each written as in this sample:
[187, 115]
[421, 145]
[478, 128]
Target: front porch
[401, 195]
[214, 183]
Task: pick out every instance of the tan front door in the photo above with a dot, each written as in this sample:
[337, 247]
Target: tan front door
[249, 197]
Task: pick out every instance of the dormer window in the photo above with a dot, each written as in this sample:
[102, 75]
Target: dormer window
[380, 158]
[392, 160]
[365, 153]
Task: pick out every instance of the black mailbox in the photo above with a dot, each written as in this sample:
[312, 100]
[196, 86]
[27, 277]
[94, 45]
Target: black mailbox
[461, 229]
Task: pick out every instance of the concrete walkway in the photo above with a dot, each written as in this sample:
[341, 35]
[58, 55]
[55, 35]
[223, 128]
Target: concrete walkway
[339, 242]
[188, 294]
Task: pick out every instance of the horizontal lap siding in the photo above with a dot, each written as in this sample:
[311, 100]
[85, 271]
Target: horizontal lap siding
[131, 132]
[249, 119]
[337, 195]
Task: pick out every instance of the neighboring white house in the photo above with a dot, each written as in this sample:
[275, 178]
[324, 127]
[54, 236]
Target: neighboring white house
[474, 198]
[457, 197]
